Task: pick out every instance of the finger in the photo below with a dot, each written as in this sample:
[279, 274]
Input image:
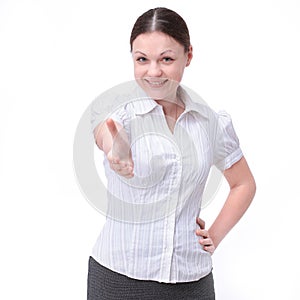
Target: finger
[207, 245]
[112, 128]
[202, 232]
[200, 222]
[116, 164]
[125, 174]
[126, 164]
[123, 170]
[129, 175]
[211, 249]
[206, 242]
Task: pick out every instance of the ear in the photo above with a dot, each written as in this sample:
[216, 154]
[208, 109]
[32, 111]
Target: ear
[189, 56]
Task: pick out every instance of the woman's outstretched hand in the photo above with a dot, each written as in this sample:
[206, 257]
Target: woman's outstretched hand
[206, 242]
[119, 157]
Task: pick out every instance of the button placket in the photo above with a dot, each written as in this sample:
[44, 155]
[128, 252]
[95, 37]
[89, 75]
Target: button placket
[169, 224]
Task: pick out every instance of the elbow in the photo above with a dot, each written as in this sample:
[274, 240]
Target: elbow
[247, 189]
[251, 188]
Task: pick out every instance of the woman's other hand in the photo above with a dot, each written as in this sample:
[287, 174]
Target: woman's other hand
[205, 241]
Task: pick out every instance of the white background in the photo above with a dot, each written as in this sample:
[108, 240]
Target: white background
[57, 56]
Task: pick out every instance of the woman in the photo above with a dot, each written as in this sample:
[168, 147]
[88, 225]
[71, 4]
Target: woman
[159, 147]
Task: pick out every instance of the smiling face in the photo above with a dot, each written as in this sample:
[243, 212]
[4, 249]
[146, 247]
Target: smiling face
[159, 63]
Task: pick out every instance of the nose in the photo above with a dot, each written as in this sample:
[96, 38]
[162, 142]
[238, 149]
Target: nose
[154, 70]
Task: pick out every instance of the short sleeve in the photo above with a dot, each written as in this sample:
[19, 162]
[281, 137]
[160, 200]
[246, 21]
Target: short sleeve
[100, 113]
[227, 149]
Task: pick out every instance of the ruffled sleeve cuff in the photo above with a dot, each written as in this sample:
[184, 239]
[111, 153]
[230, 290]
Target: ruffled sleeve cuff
[227, 149]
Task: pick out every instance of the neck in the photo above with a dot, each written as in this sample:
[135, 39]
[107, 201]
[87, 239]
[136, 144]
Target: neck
[168, 106]
[172, 108]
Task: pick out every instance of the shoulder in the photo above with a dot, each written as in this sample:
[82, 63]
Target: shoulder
[194, 103]
[115, 103]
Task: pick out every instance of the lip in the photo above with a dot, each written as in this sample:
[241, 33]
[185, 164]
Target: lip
[156, 83]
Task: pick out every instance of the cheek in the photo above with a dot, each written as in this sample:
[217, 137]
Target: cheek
[138, 70]
[176, 73]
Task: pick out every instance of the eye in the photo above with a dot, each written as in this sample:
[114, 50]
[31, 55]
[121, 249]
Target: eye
[141, 59]
[167, 59]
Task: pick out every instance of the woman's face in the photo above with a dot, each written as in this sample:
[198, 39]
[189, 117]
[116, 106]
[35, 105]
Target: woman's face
[159, 63]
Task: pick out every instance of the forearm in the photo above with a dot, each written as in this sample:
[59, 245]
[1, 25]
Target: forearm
[102, 138]
[234, 208]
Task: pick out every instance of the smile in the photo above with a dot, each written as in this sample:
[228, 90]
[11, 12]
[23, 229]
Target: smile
[156, 83]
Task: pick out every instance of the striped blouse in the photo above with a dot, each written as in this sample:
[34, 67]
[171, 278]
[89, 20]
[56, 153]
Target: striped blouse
[150, 225]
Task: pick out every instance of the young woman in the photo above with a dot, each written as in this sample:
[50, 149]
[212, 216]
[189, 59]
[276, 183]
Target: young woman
[159, 149]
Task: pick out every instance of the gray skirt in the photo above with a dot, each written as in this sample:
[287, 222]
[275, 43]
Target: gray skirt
[106, 284]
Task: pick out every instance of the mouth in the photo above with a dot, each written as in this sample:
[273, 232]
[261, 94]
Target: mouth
[156, 83]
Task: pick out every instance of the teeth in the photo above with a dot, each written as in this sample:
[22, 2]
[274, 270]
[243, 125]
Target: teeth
[156, 83]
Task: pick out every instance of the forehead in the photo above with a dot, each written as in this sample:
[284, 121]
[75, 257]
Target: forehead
[155, 42]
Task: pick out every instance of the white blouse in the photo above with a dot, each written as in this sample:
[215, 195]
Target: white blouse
[150, 226]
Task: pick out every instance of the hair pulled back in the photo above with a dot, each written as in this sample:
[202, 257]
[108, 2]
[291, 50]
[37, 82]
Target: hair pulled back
[163, 20]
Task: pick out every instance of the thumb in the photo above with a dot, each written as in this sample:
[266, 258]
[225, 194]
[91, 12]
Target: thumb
[200, 222]
[112, 127]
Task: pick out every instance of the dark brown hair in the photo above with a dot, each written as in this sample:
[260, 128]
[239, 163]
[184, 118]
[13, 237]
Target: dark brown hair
[163, 20]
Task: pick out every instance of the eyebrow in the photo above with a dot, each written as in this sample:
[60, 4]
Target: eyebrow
[164, 52]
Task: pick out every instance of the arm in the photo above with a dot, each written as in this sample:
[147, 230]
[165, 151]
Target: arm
[112, 139]
[242, 190]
